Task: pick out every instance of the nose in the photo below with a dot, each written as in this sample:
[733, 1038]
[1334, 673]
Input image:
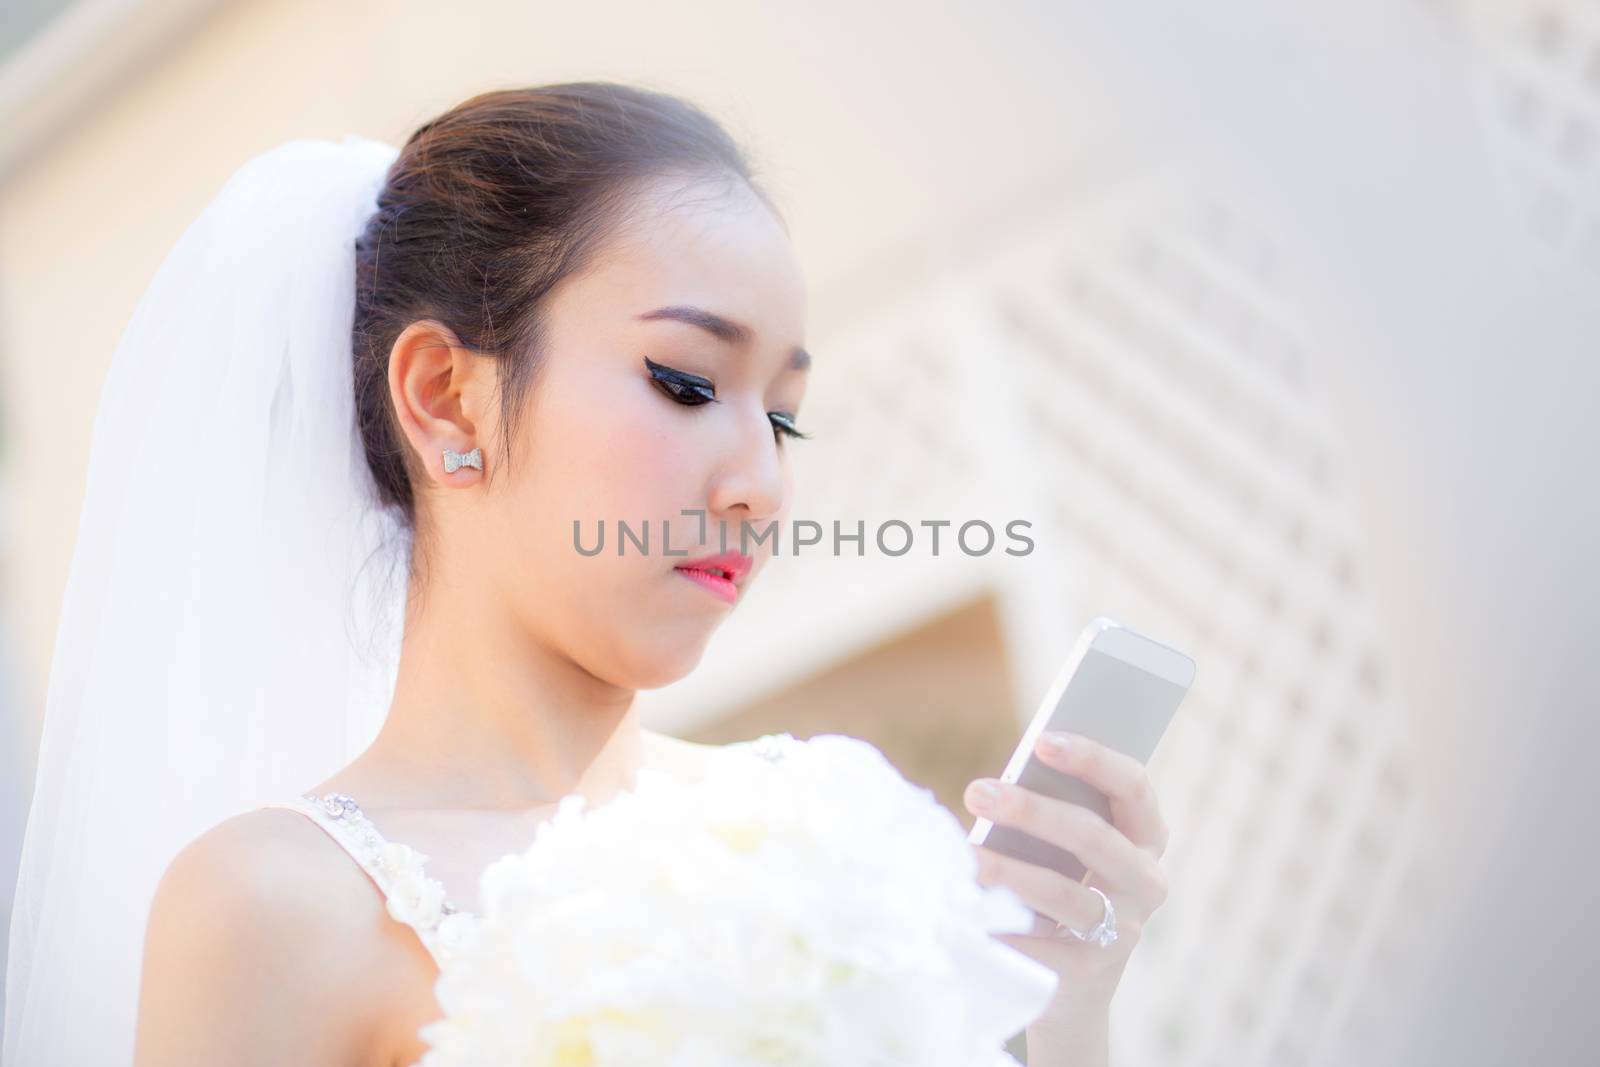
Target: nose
[751, 482]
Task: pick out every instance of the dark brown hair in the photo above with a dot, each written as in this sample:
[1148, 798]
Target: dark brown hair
[485, 210]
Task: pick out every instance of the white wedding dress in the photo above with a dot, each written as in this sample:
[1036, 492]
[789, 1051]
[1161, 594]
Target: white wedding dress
[341, 817]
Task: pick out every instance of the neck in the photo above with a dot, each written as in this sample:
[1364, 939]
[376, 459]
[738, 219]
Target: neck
[487, 715]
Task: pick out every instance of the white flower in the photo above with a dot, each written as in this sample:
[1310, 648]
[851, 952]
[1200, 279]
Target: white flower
[416, 898]
[456, 932]
[395, 859]
[811, 910]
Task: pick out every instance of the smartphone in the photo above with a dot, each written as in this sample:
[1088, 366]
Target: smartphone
[1118, 687]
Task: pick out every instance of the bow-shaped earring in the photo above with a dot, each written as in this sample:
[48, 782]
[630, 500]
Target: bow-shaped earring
[454, 460]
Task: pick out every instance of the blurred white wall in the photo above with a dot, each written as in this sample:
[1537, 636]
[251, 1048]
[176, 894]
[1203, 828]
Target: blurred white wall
[1438, 163]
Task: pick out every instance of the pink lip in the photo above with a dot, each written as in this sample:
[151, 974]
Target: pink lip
[733, 564]
[706, 580]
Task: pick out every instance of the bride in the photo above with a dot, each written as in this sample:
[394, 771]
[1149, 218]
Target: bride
[568, 304]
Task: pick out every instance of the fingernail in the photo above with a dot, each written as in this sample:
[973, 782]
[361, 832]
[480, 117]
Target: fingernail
[1056, 742]
[984, 794]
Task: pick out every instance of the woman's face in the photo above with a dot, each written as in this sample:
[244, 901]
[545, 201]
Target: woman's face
[605, 439]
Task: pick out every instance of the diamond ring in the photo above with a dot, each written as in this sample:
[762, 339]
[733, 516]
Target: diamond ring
[1104, 932]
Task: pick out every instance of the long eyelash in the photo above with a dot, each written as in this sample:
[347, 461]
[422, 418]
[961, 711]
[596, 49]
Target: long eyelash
[785, 424]
[672, 381]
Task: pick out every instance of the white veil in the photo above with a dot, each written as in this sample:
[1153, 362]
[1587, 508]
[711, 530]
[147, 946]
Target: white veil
[231, 625]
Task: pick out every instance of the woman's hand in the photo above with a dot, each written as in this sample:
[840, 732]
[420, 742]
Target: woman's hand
[1123, 857]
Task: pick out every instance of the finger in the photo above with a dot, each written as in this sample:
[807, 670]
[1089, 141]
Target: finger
[1100, 846]
[1049, 893]
[1135, 809]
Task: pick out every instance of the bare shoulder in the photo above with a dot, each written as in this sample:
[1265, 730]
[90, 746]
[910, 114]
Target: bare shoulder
[270, 863]
[249, 939]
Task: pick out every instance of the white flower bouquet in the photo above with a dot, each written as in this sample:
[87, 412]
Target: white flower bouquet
[814, 909]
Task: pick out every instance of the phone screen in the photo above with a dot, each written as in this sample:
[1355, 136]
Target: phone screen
[1118, 704]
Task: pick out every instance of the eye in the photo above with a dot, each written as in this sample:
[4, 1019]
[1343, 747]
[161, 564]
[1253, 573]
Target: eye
[688, 389]
[691, 390]
[783, 423]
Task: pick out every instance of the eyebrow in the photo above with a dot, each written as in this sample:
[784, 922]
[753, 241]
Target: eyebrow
[725, 330]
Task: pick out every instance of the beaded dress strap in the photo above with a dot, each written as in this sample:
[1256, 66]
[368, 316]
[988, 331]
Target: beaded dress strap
[410, 896]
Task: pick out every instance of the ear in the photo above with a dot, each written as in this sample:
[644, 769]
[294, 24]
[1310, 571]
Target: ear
[438, 386]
